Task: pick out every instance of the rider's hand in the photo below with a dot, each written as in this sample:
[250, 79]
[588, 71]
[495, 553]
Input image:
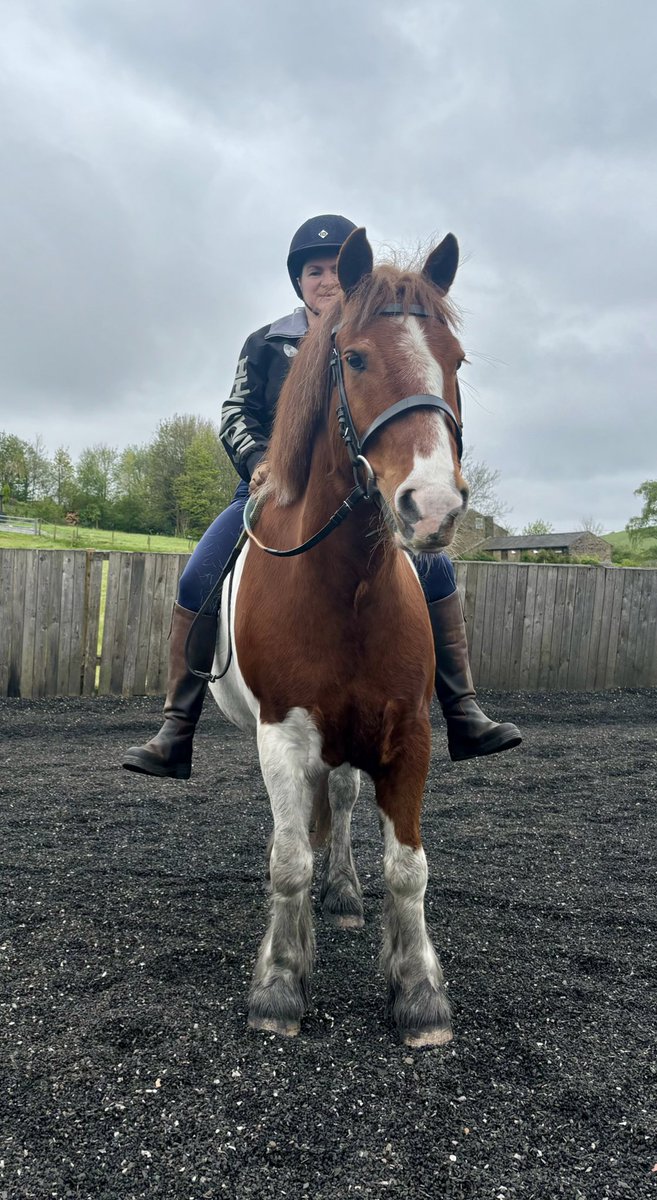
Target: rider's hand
[260, 476]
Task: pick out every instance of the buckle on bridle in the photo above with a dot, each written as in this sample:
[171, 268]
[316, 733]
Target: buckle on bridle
[369, 487]
[346, 432]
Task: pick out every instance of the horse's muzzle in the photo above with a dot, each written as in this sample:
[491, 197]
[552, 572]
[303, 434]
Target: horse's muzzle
[423, 533]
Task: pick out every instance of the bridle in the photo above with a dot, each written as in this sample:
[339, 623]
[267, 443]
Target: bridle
[355, 444]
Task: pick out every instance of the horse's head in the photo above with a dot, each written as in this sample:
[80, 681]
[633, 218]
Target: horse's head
[395, 342]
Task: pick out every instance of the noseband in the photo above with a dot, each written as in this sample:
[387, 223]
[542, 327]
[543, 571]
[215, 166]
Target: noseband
[355, 444]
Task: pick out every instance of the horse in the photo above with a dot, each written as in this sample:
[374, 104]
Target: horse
[332, 654]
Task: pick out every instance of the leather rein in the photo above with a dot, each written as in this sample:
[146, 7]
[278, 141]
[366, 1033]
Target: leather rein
[355, 444]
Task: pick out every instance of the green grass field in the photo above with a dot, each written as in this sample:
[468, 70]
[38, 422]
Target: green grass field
[643, 554]
[65, 537]
[621, 539]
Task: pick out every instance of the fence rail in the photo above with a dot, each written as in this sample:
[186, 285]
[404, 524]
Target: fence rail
[11, 524]
[75, 622]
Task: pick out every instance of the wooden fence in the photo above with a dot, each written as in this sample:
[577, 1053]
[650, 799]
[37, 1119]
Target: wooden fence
[543, 627]
[75, 622]
[11, 524]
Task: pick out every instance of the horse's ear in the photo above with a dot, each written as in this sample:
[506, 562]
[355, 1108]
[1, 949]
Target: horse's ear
[355, 260]
[441, 264]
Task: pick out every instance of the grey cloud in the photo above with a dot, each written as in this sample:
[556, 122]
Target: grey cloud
[156, 158]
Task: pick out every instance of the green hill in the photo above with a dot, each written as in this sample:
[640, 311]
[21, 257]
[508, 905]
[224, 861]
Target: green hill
[642, 555]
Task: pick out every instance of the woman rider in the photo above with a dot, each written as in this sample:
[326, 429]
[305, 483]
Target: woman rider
[246, 425]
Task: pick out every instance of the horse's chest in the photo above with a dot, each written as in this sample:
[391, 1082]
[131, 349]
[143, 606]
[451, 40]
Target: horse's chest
[318, 647]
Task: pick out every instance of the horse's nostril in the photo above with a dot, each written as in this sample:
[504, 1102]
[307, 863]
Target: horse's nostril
[407, 508]
[453, 516]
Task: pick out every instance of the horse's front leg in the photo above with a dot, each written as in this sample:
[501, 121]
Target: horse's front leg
[290, 763]
[341, 891]
[415, 980]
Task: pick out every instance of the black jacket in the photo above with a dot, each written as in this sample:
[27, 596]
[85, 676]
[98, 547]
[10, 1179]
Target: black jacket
[247, 416]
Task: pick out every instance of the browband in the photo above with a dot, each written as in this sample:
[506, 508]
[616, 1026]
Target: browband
[398, 310]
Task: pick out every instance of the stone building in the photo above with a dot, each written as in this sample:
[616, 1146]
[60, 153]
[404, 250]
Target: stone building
[472, 531]
[580, 544]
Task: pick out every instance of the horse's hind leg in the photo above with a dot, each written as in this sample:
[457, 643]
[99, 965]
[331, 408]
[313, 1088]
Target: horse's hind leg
[279, 990]
[415, 979]
[341, 891]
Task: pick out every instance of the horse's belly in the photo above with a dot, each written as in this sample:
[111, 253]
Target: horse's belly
[234, 699]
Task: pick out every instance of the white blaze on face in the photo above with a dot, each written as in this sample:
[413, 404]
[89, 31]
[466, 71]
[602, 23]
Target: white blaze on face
[432, 479]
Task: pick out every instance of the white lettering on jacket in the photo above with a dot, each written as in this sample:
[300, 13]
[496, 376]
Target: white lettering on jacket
[240, 386]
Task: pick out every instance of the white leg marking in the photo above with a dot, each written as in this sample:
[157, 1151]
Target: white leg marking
[291, 764]
[291, 752]
[290, 758]
[408, 952]
[417, 992]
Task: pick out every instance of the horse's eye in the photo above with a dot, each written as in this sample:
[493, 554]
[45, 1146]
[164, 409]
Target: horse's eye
[460, 364]
[354, 361]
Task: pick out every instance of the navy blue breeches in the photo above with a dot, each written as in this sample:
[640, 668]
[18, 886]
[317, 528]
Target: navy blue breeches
[207, 562]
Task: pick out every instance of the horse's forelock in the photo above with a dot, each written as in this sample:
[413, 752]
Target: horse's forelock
[303, 399]
[388, 285]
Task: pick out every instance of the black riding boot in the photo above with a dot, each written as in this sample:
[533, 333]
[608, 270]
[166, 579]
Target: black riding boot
[170, 751]
[469, 731]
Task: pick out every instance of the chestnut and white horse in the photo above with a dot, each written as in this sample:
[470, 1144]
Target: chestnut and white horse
[333, 661]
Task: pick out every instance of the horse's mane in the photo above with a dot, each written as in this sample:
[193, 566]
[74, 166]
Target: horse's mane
[302, 404]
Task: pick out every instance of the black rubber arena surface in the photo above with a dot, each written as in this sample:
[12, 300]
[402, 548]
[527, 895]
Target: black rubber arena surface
[132, 912]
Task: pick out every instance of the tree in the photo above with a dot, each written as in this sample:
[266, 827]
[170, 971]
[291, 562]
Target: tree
[63, 473]
[483, 481]
[129, 509]
[538, 527]
[39, 478]
[204, 488]
[94, 480]
[13, 467]
[167, 460]
[135, 489]
[644, 525]
[131, 471]
[592, 526]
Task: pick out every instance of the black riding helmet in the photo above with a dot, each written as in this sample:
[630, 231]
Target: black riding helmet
[319, 235]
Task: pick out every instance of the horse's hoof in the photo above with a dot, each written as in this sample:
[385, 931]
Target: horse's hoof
[427, 1038]
[287, 1029]
[346, 921]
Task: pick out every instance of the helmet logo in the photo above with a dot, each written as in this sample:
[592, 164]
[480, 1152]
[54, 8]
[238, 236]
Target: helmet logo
[289, 350]
[323, 233]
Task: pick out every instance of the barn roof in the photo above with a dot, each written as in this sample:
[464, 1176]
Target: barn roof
[537, 541]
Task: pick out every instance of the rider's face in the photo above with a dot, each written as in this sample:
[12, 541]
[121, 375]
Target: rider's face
[319, 282]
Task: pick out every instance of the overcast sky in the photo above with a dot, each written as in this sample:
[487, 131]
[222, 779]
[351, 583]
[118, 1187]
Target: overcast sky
[157, 155]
